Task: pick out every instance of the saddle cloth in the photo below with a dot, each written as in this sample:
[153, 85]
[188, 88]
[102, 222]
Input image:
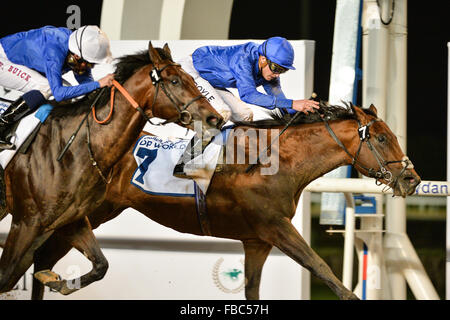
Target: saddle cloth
[24, 129]
[156, 158]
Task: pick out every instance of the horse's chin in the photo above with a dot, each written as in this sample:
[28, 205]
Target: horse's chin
[406, 186]
[400, 192]
[208, 134]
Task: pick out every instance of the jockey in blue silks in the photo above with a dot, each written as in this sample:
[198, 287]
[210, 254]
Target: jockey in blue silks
[245, 67]
[33, 62]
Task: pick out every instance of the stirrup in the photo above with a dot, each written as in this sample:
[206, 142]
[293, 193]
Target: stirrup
[6, 145]
[6, 135]
[178, 171]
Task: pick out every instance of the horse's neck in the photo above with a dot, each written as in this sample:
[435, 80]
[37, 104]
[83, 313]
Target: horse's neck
[117, 136]
[318, 153]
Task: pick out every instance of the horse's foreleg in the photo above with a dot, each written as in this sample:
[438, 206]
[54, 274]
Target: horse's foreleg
[256, 253]
[17, 256]
[79, 234]
[46, 257]
[283, 235]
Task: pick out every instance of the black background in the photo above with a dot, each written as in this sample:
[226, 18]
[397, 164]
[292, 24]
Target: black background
[428, 34]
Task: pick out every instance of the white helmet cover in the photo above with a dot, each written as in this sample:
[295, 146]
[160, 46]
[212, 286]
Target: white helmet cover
[91, 44]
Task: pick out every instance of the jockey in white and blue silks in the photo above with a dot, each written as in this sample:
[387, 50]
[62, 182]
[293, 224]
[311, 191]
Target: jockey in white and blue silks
[245, 67]
[34, 61]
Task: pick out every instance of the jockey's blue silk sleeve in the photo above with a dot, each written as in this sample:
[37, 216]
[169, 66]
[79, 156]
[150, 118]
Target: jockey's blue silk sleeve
[60, 92]
[84, 78]
[45, 50]
[237, 67]
[273, 88]
[247, 90]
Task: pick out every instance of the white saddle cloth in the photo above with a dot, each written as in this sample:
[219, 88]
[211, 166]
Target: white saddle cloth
[24, 129]
[156, 158]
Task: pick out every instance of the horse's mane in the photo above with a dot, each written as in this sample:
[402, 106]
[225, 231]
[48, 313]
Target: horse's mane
[125, 67]
[326, 111]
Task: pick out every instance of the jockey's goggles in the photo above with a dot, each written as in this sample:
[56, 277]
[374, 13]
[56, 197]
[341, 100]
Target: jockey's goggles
[76, 64]
[90, 65]
[276, 68]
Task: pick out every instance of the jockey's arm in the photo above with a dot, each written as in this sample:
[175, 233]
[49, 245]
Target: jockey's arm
[247, 91]
[60, 92]
[273, 88]
[85, 77]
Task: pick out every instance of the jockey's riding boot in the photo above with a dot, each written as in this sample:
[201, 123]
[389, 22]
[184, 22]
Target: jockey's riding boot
[16, 111]
[193, 150]
[7, 120]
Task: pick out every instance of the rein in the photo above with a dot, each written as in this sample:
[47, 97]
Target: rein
[155, 76]
[157, 81]
[290, 122]
[252, 166]
[382, 172]
[124, 92]
[6, 100]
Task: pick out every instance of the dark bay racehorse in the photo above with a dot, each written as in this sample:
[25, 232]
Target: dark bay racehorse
[44, 194]
[257, 209]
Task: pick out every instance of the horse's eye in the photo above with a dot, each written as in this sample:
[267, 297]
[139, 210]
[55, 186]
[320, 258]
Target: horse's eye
[175, 82]
[381, 138]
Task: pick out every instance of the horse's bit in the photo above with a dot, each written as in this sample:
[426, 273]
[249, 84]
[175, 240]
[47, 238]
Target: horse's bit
[383, 172]
[155, 75]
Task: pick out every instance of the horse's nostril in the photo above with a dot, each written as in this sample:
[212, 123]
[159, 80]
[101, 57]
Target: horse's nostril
[220, 123]
[412, 180]
[417, 182]
[214, 121]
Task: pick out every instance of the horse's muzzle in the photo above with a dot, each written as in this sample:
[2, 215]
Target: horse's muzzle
[407, 183]
[215, 122]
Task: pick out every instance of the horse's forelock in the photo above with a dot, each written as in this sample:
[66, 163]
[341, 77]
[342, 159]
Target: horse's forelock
[370, 112]
[365, 111]
[129, 64]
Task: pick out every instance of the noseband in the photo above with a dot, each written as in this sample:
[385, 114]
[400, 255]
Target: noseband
[157, 80]
[382, 172]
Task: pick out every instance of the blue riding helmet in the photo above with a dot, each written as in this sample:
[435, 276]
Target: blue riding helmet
[278, 50]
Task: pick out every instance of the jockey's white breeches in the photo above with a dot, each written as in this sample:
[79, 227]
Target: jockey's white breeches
[18, 77]
[226, 103]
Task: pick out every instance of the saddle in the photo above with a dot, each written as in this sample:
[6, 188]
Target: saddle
[156, 158]
[24, 133]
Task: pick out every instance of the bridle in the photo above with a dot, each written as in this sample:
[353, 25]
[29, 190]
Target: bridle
[158, 82]
[364, 137]
[155, 76]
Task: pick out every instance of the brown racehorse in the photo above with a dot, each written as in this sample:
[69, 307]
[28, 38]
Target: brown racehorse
[257, 209]
[44, 194]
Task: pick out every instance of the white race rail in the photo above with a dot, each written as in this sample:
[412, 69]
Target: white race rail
[355, 185]
[402, 252]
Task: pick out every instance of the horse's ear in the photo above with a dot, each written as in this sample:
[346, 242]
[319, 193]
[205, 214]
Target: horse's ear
[167, 51]
[373, 109]
[154, 55]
